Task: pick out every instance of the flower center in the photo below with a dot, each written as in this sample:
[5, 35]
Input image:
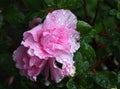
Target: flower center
[55, 40]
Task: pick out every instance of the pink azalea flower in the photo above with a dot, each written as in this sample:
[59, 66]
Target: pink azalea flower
[49, 47]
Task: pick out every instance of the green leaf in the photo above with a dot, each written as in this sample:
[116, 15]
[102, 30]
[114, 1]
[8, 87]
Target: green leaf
[87, 52]
[106, 79]
[118, 15]
[86, 31]
[81, 65]
[119, 77]
[84, 58]
[70, 84]
[83, 27]
[88, 37]
[118, 5]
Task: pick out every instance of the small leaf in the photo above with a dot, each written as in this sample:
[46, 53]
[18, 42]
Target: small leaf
[87, 52]
[118, 15]
[118, 5]
[83, 27]
[106, 79]
[70, 84]
[81, 65]
[89, 37]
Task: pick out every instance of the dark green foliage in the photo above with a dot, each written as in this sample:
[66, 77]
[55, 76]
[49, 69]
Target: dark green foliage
[14, 16]
[35, 4]
[84, 28]
[71, 85]
[98, 59]
[106, 79]
[1, 18]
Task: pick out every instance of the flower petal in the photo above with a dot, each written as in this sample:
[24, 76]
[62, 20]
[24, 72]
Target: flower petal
[54, 71]
[58, 72]
[68, 67]
[31, 43]
[35, 33]
[18, 56]
[60, 18]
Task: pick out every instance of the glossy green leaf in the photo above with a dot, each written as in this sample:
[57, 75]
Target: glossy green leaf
[106, 79]
[81, 65]
[83, 27]
[87, 52]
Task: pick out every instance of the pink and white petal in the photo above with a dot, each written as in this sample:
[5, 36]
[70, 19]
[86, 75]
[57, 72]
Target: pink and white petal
[56, 73]
[35, 47]
[33, 65]
[26, 62]
[60, 18]
[41, 63]
[67, 62]
[18, 56]
[34, 33]
[68, 69]
[65, 58]
[73, 41]
[35, 61]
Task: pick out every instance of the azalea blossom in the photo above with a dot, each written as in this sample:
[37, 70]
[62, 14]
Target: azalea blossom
[49, 47]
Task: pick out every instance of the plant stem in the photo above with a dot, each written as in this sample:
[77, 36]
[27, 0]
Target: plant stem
[96, 13]
[85, 11]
